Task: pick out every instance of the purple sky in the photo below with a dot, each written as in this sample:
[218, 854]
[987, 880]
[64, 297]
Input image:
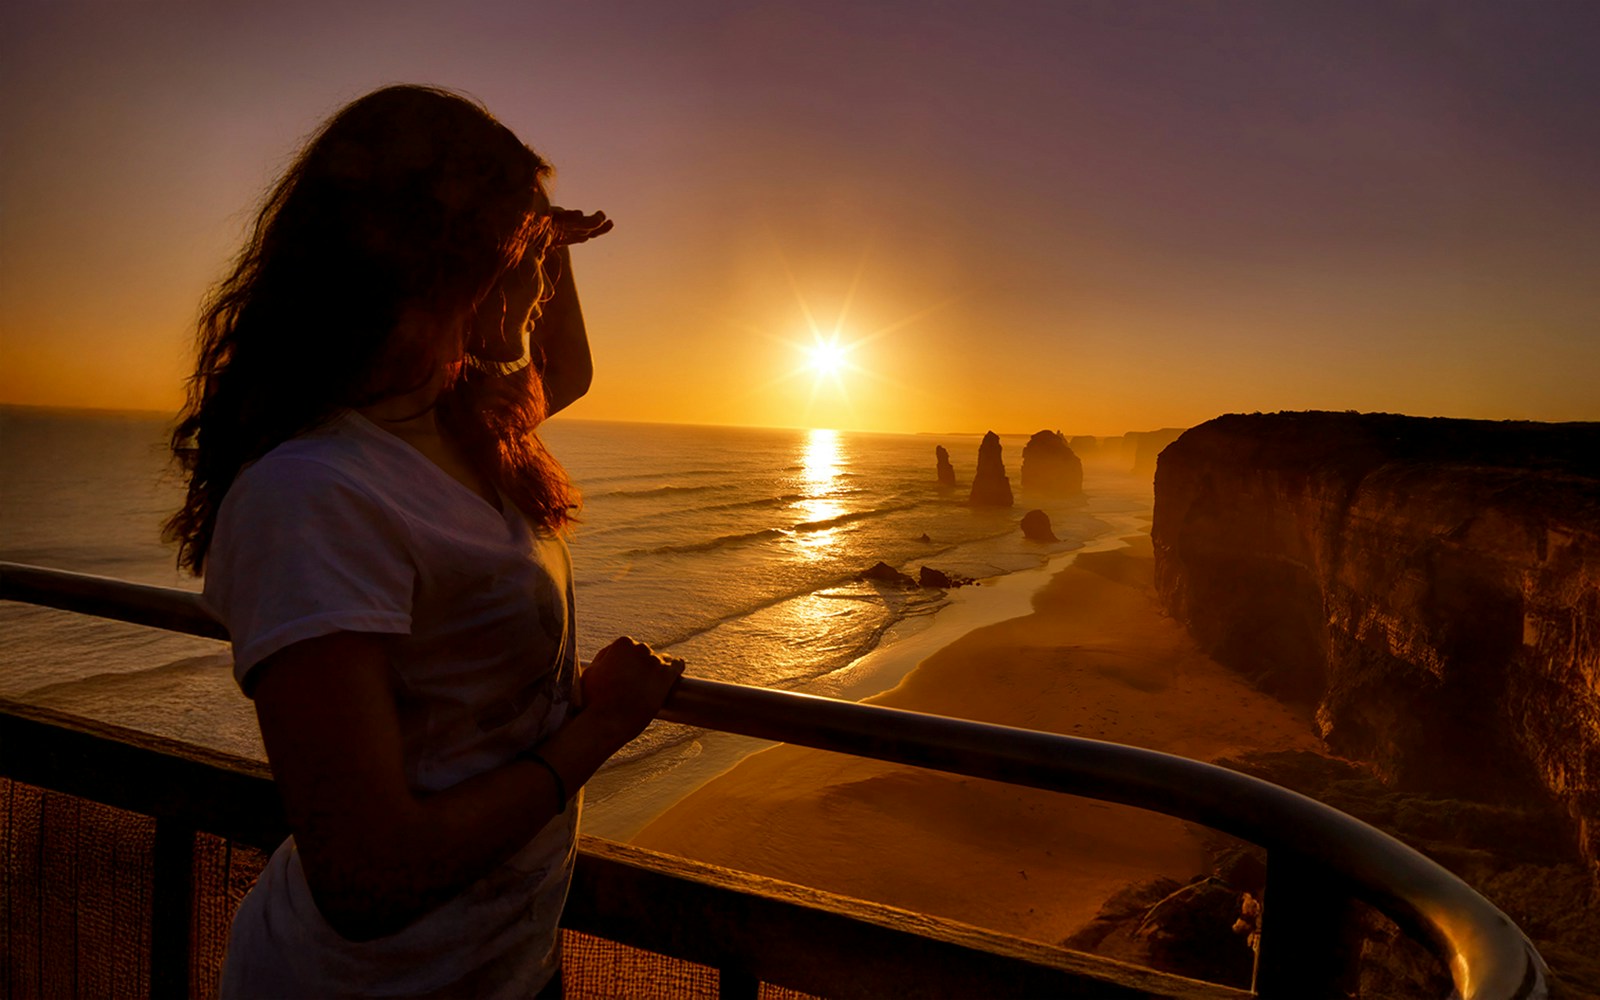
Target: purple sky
[1091, 216]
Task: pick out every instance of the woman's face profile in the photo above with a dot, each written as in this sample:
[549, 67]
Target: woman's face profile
[504, 319]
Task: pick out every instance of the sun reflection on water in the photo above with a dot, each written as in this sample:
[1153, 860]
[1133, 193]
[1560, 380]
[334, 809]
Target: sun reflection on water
[821, 462]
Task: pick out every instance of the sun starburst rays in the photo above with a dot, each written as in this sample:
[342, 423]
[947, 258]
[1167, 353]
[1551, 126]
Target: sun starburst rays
[831, 361]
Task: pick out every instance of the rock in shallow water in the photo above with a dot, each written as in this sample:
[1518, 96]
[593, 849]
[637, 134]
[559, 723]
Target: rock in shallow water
[882, 572]
[932, 578]
[1036, 526]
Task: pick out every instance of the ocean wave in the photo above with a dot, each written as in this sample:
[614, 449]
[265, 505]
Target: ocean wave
[650, 520]
[723, 541]
[654, 491]
[859, 515]
[838, 474]
[589, 482]
[759, 502]
[828, 588]
[765, 534]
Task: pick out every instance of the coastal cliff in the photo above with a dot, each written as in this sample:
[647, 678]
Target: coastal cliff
[1431, 586]
[1134, 452]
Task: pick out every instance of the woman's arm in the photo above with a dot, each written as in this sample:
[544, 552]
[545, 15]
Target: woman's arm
[377, 856]
[560, 342]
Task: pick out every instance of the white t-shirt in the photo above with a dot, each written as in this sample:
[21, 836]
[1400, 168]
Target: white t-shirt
[350, 529]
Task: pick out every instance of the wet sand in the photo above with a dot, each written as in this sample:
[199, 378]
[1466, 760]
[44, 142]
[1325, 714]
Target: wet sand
[1096, 658]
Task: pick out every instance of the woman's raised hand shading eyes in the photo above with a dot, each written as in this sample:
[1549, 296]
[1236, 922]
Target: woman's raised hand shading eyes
[573, 226]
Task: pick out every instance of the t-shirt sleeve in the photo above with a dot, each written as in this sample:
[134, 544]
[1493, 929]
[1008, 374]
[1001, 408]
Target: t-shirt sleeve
[300, 551]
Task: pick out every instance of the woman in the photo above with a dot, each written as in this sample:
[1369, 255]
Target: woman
[380, 530]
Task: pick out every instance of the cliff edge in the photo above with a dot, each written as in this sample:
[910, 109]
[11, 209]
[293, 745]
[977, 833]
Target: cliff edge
[1432, 586]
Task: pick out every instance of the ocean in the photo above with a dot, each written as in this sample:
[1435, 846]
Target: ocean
[735, 548]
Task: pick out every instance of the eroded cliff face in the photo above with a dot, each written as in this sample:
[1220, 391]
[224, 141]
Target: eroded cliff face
[1432, 586]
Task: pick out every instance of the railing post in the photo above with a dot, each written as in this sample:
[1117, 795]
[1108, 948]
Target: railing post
[1305, 919]
[171, 908]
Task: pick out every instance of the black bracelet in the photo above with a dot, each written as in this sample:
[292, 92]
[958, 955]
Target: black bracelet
[561, 786]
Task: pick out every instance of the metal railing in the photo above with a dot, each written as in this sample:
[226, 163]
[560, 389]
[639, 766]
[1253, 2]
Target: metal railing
[1318, 857]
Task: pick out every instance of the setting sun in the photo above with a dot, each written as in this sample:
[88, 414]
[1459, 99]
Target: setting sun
[828, 357]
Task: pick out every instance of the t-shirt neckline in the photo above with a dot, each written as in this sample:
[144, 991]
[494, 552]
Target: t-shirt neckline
[369, 427]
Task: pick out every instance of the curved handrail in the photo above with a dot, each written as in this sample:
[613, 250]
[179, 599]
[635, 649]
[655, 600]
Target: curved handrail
[1487, 955]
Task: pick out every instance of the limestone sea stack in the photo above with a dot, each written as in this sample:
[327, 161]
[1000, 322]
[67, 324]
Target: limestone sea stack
[1050, 468]
[990, 487]
[946, 471]
[1430, 586]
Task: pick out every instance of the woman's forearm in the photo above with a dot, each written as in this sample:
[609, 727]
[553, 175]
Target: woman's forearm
[449, 840]
[376, 854]
[560, 339]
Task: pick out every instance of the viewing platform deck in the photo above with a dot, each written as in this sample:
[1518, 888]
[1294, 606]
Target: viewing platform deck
[125, 853]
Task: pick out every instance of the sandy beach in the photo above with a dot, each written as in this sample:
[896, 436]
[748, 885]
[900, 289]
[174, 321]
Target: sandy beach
[1095, 658]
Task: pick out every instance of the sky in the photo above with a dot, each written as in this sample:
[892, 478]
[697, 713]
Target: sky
[1087, 216]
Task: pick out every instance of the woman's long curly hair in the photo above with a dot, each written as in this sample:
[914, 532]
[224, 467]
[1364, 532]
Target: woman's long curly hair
[410, 202]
